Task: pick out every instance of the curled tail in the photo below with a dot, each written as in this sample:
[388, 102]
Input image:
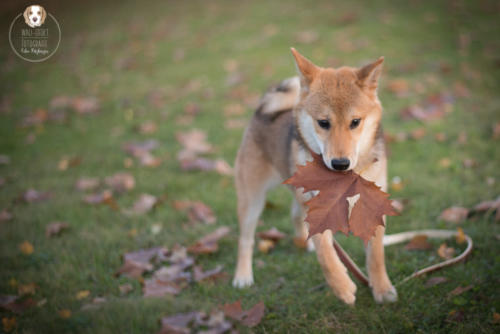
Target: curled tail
[281, 97]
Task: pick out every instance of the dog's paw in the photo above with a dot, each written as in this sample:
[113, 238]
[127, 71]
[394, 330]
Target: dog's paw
[310, 246]
[389, 294]
[242, 282]
[348, 293]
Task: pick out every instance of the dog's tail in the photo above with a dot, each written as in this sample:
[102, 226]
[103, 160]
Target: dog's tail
[281, 97]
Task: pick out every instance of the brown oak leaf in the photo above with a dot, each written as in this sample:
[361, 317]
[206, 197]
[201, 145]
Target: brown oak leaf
[330, 208]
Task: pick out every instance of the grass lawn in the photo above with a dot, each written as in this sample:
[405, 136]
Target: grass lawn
[155, 60]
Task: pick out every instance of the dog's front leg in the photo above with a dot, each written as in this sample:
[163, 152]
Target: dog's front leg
[334, 270]
[382, 289]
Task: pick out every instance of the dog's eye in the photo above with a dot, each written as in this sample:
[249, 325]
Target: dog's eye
[324, 123]
[38, 12]
[354, 123]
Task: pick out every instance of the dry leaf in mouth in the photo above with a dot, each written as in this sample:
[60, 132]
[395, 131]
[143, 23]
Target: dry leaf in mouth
[337, 206]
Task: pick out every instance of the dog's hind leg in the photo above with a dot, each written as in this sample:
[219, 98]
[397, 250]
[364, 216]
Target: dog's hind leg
[254, 176]
[298, 213]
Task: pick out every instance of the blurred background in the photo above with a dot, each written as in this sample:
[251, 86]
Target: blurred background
[125, 140]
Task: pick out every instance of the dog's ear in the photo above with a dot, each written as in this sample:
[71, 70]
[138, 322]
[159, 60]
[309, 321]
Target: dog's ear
[44, 15]
[369, 74]
[25, 14]
[307, 70]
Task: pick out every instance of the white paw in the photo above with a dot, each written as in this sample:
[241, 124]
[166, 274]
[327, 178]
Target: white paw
[310, 245]
[242, 282]
[348, 294]
[389, 295]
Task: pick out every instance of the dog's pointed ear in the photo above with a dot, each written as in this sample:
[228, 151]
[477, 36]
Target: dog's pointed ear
[369, 74]
[307, 70]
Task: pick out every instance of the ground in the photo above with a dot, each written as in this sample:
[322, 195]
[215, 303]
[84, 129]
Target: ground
[148, 61]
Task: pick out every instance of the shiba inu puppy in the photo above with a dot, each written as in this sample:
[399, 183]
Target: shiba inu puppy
[335, 113]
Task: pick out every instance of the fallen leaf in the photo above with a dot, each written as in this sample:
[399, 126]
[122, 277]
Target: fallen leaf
[55, 228]
[444, 162]
[157, 288]
[435, 281]
[462, 138]
[433, 108]
[264, 246]
[203, 164]
[143, 205]
[330, 208]
[418, 133]
[486, 206]
[136, 263]
[179, 323]
[105, 197]
[197, 211]
[209, 243]
[32, 196]
[67, 162]
[194, 141]
[9, 324]
[273, 234]
[212, 275]
[5, 215]
[440, 137]
[138, 148]
[65, 314]
[469, 163]
[399, 87]
[446, 252]
[348, 18]
[148, 127]
[26, 289]
[418, 242]
[460, 238]
[250, 317]
[142, 152]
[87, 183]
[16, 304]
[82, 294]
[192, 109]
[234, 109]
[26, 248]
[496, 317]
[121, 182]
[125, 288]
[459, 290]
[85, 105]
[496, 130]
[455, 214]
[4, 159]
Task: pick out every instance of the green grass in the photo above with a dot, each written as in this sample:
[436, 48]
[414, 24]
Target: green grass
[98, 36]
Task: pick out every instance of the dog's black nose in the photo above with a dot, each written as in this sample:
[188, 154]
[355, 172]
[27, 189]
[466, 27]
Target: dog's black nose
[35, 18]
[340, 164]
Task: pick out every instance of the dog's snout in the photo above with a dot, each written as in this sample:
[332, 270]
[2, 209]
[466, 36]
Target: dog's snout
[35, 18]
[340, 164]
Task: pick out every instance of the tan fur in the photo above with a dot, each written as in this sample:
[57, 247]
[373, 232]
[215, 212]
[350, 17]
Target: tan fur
[28, 11]
[277, 140]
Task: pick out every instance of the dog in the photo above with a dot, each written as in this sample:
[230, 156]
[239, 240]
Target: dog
[335, 113]
[34, 16]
